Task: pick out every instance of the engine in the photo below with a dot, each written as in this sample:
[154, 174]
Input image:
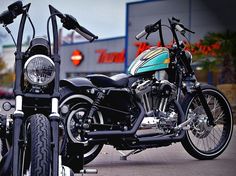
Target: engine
[157, 97]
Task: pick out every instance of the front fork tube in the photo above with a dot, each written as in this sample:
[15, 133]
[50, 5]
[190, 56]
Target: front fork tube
[54, 121]
[55, 144]
[205, 105]
[17, 125]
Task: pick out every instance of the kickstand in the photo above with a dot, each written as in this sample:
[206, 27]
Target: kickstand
[133, 152]
[88, 171]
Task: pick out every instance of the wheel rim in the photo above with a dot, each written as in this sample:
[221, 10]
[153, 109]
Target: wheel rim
[205, 139]
[76, 109]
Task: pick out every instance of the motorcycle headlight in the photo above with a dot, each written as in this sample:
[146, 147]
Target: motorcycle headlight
[39, 69]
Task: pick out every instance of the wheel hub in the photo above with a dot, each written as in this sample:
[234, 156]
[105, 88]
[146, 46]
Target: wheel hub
[201, 127]
[75, 122]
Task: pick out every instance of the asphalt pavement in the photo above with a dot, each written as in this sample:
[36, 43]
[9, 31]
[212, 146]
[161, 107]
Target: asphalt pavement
[165, 161]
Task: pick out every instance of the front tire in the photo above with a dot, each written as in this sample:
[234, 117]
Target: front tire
[40, 145]
[203, 141]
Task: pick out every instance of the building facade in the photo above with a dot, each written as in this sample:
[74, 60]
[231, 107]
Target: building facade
[114, 55]
[105, 56]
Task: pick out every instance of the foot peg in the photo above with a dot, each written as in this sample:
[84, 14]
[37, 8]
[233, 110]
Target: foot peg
[88, 171]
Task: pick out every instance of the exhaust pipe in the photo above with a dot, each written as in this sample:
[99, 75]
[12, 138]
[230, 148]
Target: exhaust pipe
[141, 140]
[119, 133]
[161, 140]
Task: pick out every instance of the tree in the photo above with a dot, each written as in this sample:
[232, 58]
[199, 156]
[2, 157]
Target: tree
[221, 49]
[226, 53]
[2, 65]
[6, 76]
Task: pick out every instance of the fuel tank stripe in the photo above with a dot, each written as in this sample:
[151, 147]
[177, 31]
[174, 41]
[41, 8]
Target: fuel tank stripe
[149, 57]
[140, 63]
[153, 53]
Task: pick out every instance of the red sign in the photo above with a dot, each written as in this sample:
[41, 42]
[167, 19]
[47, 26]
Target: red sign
[112, 57]
[77, 57]
[142, 46]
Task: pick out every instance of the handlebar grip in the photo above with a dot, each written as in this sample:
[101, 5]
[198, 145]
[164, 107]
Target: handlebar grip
[86, 34]
[83, 29]
[16, 8]
[180, 29]
[13, 11]
[6, 17]
[141, 34]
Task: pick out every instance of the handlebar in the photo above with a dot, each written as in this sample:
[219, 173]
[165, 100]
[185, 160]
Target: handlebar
[149, 29]
[175, 25]
[141, 34]
[69, 22]
[86, 34]
[179, 26]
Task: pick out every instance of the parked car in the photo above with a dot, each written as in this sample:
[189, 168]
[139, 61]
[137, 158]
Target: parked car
[6, 92]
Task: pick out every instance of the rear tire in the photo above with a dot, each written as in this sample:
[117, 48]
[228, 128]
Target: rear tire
[203, 141]
[40, 145]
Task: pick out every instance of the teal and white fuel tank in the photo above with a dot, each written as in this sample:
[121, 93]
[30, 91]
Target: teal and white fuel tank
[150, 60]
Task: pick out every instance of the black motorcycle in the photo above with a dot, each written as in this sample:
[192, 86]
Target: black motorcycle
[30, 136]
[137, 111]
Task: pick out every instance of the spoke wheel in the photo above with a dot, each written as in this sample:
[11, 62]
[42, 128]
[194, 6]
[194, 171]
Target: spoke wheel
[202, 140]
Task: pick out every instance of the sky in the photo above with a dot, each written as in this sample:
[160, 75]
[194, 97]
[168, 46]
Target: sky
[105, 18]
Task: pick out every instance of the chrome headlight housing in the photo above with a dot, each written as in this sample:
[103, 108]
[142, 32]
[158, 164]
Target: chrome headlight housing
[39, 70]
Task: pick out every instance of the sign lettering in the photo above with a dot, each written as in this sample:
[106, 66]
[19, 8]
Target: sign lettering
[112, 57]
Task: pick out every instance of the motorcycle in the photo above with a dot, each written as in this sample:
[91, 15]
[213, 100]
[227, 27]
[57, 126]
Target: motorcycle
[31, 137]
[137, 111]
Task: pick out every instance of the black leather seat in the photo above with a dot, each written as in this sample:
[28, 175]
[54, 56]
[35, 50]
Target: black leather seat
[118, 81]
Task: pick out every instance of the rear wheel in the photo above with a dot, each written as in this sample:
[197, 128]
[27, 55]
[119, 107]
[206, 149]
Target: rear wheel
[40, 145]
[203, 141]
[78, 105]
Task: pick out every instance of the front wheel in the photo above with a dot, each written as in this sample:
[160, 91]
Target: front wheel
[40, 145]
[203, 141]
